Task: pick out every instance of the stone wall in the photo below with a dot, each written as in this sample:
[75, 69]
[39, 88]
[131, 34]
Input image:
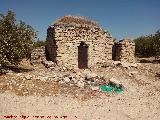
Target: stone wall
[38, 55]
[63, 43]
[76, 42]
[125, 50]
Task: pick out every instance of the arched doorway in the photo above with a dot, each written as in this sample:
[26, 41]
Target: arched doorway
[82, 56]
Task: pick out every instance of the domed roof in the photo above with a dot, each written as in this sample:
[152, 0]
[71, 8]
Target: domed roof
[75, 20]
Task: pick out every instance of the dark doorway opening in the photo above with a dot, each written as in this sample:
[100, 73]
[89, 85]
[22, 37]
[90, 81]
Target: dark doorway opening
[82, 56]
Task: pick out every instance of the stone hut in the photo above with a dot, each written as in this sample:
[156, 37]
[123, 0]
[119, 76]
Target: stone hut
[76, 42]
[124, 50]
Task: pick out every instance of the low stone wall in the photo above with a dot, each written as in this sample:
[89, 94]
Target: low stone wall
[38, 55]
[125, 50]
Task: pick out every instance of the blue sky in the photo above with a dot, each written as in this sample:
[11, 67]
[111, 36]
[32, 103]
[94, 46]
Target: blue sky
[122, 18]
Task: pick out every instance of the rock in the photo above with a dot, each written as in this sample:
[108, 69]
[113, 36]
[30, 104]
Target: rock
[10, 73]
[86, 71]
[42, 78]
[133, 65]
[28, 77]
[133, 73]
[99, 81]
[96, 88]
[117, 63]
[80, 84]
[129, 65]
[66, 79]
[19, 74]
[64, 68]
[48, 64]
[52, 68]
[81, 79]
[90, 75]
[125, 65]
[61, 82]
[74, 80]
[115, 82]
[93, 75]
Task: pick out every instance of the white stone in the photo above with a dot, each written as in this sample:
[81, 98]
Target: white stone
[42, 78]
[81, 79]
[116, 62]
[91, 75]
[125, 64]
[74, 80]
[28, 77]
[80, 84]
[19, 74]
[66, 79]
[48, 64]
[133, 65]
[64, 68]
[96, 88]
[133, 73]
[113, 80]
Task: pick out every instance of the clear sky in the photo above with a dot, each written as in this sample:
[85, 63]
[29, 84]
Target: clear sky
[122, 18]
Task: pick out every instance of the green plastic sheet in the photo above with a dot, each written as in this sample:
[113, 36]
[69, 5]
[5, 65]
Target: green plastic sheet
[107, 88]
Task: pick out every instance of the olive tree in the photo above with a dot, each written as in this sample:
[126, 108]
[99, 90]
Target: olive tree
[148, 46]
[16, 39]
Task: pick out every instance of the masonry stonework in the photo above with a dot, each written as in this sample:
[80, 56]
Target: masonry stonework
[76, 42]
[124, 50]
[75, 45]
[38, 55]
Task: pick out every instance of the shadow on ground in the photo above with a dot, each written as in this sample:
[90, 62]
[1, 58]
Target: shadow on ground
[149, 61]
[5, 69]
[158, 75]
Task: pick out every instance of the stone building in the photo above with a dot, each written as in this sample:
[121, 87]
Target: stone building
[76, 42]
[124, 50]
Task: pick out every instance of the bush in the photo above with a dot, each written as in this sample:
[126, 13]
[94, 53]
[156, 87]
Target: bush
[148, 46]
[16, 39]
[39, 43]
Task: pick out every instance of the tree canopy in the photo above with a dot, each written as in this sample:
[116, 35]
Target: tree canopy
[39, 43]
[148, 46]
[16, 39]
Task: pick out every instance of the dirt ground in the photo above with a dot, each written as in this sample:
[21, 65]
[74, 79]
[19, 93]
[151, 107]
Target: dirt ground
[26, 96]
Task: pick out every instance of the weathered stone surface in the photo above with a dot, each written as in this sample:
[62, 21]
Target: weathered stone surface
[81, 44]
[124, 50]
[48, 64]
[64, 42]
[80, 84]
[28, 77]
[115, 82]
[38, 55]
[42, 78]
[133, 73]
[66, 79]
[95, 88]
